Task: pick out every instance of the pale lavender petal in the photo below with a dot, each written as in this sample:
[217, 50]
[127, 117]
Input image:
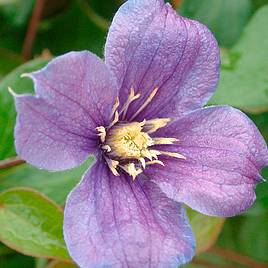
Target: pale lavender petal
[80, 80]
[224, 155]
[55, 129]
[117, 222]
[149, 46]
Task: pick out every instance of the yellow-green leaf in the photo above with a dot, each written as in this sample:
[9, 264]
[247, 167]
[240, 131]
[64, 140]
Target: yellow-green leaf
[32, 224]
[206, 229]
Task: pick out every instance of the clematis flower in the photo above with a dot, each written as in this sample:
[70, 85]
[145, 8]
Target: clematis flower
[140, 113]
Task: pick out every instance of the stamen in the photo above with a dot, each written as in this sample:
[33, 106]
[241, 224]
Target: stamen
[176, 155]
[142, 160]
[131, 170]
[149, 99]
[155, 162]
[116, 119]
[128, 145]
[12, 92]
[112, 164]
[153, 125]
[150, 154]
[107, 148]
[116, 105]
[102, 133]
[132, 97]
[158, 141]
[154, 153]
[25, 75]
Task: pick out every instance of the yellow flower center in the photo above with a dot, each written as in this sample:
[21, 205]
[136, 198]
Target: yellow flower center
[128, 146]
[128, 141]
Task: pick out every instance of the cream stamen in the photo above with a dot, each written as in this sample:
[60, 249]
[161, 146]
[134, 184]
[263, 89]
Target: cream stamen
[116, 119]
[158, 141]
[148, 100]
[102, 133]
[132, 97]
[128, 145]
[116, 105]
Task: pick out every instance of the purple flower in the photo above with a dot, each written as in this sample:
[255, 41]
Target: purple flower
[140, 114]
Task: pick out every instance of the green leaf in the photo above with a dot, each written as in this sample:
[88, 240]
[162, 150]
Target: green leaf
[247, 235]
[106, 9]
[16, 261]
[7, 108]
[74, 31]
[5, 250]
[244, 83]
[7, 2]
[10, 38]
[259, 3]
[225, 18]
[16, 12]
[205, 228]
[9, 60]
[261, 121]
[32, 224]
[260, 206]
[254, 237]
[56, 185]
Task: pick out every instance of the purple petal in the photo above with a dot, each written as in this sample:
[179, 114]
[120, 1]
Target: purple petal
[224, 154]
[150, 46]
[55, 129]
[117, 222]
[80, 80]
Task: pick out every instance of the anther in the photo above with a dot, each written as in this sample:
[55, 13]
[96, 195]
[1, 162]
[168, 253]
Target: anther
[131, 170]
[148, 100]
[158, 141]
[143, 163]
[116, 119]
[116, 105]
[171, 154]
[102, 133]
[112, 165]
[155, 162]
[106, 148]
[153, 125]
[132, 97]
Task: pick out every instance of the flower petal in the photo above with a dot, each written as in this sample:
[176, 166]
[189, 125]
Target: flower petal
[55, 129]
[149, 46]
[224, 154]
[117, 222]
[80, 80]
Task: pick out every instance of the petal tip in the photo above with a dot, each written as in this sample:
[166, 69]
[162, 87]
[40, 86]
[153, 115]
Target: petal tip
[28, 75]
[12, 92]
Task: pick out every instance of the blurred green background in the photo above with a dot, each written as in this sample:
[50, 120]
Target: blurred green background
[32, 32]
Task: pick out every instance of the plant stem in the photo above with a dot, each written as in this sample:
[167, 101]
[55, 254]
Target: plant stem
[11, 162]
[235, 257]
[204, 263]
[32, 29]
[176, 3]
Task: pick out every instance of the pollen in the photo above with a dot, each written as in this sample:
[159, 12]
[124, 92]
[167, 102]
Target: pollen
[128, 141]
[129, 146]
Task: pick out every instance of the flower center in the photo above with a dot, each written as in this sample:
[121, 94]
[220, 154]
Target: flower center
[128, 146]
[128, 141]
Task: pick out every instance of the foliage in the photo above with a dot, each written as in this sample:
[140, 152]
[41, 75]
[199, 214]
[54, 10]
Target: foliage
[237, 87]
[54, 185]
[31, 199]
[222, 15]
[7, 109]
[31, 224]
